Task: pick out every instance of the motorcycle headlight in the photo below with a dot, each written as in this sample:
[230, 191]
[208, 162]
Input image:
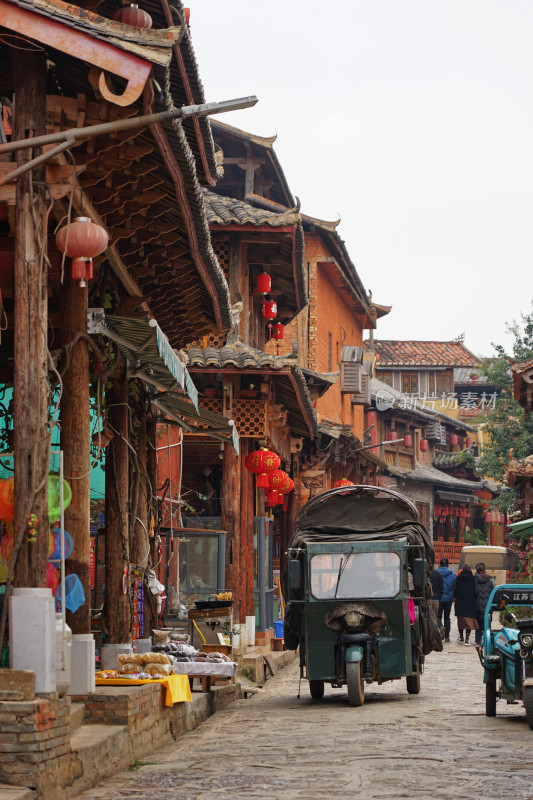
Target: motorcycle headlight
[526, 640]
[353, 618]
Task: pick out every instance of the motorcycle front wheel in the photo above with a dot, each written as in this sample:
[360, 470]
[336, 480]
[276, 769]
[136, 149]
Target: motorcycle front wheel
[528, 703]
[490, 699]
[354, 682]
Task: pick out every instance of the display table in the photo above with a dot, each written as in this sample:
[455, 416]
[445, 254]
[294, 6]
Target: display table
[206, 671]
[213, 617]
[177, 687]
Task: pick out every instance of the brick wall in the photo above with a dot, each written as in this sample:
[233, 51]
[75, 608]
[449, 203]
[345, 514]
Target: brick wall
[33, 733]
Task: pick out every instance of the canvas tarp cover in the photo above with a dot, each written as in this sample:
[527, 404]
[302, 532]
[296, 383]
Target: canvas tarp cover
[359, 515]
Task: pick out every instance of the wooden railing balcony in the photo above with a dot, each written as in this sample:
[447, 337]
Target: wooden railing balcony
[449, 550]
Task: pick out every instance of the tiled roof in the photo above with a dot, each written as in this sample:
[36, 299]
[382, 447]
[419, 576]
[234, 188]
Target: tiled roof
[222, 210]
[394, 353]
[470, 376]
[291, 386]
[429, 474]
[396, 400]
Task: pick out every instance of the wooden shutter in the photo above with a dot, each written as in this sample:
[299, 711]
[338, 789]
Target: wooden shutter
[363, 396]
[350, 377]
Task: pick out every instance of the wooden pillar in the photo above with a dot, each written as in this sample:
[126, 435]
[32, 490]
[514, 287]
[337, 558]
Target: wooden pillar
[117, 549]
[231, 523]
[247, 531]
[31, 386]
[76, 443]
[150, 606]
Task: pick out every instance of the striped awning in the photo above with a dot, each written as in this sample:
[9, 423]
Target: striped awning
[201, 421]
[149, 353]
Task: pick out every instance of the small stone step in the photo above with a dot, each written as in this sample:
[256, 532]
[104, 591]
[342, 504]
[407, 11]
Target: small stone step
[77, 715]
[102, 749]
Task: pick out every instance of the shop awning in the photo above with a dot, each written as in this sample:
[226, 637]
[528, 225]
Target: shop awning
[524, 527]
[201, 421]
[149, 353]
[456, 497]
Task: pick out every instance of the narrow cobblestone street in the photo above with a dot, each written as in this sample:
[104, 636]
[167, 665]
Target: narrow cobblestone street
[438, 744]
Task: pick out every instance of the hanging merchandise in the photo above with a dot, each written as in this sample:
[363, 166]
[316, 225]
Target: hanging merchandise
[270, 309]
[134, 16]
[262, 463]
[278, 331]
[264, 283]
[82, 240]
[54, 505]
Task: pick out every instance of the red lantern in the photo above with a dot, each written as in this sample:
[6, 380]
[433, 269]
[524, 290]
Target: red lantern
[82, 240]
[264, 283]
[270, 309]
[393, 435]
[279, 481]
[342, 482]
[423, 445]
[469, 442]
[262, 463]
[488, 516]
[134, 16]
[502, 519]
[272, 498]
[453, 439]
[278, 331]
[407, 440]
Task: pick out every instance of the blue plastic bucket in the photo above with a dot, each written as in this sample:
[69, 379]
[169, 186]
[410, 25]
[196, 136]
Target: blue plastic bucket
[279, 629]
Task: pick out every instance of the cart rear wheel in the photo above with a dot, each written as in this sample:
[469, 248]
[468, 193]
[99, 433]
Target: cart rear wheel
[528, 702]
[413, 683]
[490, 699]
[317, 689]
[354, 681]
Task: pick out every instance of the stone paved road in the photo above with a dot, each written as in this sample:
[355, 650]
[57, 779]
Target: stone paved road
[435, 745]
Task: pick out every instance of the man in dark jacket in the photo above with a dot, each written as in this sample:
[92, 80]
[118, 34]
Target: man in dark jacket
[446, 601]
[485, 585]
[437, 587]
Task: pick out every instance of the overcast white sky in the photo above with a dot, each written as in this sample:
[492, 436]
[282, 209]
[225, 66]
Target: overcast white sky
[412, 120]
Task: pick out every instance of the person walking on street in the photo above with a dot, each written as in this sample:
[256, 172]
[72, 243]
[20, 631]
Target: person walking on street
[465, 604]
[437, 586]
[485, 585]
[446, 601]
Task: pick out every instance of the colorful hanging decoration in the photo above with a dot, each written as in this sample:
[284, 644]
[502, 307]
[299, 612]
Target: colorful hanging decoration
[82, 240]
[134, 16]
[423, 445]
[262, 463]
[342, 482]
[32, 523]
[407, 440]
[272, 498]
[454, 439]
[264, 283]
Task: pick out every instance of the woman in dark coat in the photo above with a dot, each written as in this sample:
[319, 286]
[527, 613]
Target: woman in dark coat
[465, 604]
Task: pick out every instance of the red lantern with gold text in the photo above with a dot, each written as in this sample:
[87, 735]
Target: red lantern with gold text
[270, 309]
[278, 331]
[342, 482]
[134, 16]
[262, 463]
[81, 241]
[290, 487]
[264, 283]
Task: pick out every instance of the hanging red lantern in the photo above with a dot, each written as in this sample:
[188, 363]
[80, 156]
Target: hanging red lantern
[262, 463]
[278, 330]
[272, 498]
[469, 442]
[134, 16]
[279, 481]
[82, 240]
[453, 439]
[270, 309]
[407, 440]
[502, 519]
[488, 516]
[423, 445]
[342, 482]
[264, 283]
[393, 435]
